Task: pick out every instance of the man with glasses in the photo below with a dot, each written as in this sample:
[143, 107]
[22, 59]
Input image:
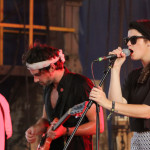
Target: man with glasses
[133, 99]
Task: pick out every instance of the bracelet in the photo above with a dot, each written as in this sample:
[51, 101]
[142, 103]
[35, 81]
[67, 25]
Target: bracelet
[113, 106]
[112, 110]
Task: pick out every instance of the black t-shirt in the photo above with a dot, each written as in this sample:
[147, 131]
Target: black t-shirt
[137, 93]
[72, 89]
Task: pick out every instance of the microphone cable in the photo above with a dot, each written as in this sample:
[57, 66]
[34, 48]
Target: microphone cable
[93, 73]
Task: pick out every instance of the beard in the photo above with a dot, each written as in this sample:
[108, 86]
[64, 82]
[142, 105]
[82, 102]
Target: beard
[45, 83]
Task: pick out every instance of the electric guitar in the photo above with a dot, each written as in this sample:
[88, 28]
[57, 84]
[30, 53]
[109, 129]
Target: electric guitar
[74, 111]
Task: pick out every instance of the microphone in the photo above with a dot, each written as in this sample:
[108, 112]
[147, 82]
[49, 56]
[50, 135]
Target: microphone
[113, 56]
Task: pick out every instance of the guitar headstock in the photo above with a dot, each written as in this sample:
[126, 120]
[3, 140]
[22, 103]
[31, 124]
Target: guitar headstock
[78, 109]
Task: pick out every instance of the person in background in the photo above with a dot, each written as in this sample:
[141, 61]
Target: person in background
[63, 90]
[133, 99]
[5, 123]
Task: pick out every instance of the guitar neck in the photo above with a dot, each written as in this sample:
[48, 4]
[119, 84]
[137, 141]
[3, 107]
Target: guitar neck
[74, 111]
[62, 120]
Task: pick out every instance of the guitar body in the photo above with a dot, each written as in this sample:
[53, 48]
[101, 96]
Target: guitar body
[46, 145]
[46, 141]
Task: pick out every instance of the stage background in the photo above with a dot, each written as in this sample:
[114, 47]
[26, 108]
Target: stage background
[100, 26]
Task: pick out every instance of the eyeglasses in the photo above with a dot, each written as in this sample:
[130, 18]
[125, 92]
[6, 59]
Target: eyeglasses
[132, 39]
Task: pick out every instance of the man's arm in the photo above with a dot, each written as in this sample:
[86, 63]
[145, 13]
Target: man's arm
[38, 128]
[89, 128]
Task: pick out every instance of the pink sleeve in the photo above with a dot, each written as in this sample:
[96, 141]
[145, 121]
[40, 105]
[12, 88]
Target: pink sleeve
[7, 117]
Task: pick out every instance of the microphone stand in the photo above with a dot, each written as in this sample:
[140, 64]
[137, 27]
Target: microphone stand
[87, 107]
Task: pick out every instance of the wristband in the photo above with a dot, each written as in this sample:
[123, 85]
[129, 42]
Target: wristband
[113, 106]
[112, 110]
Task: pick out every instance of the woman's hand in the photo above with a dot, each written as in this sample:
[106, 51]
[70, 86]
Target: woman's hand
[121, 57]
[98, 95]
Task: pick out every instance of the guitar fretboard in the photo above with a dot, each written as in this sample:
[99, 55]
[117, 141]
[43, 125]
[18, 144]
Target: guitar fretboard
[61, 120]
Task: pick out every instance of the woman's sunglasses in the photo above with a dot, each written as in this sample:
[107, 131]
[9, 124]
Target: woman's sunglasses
[132, 39]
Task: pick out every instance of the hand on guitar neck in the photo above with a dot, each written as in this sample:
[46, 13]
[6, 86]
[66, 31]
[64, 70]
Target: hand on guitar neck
[51, 134]
[60, 131]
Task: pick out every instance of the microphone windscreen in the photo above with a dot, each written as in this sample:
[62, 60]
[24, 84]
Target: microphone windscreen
[126, 51]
